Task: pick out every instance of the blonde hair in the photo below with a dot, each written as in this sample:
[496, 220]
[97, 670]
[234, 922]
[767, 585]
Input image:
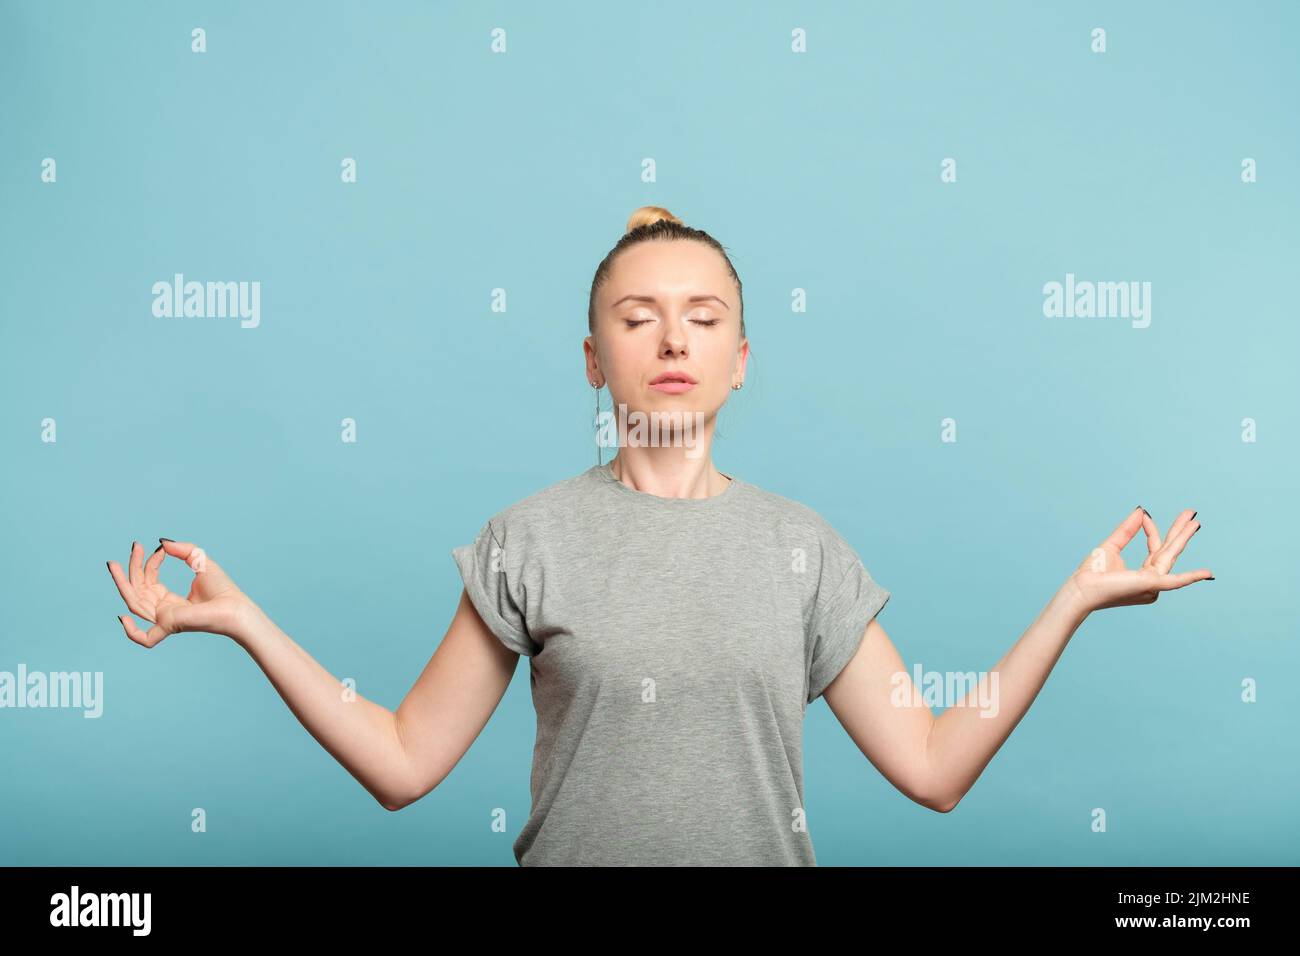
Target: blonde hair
[648, 216]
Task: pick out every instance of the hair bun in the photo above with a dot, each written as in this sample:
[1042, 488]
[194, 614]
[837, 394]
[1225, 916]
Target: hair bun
[647, 215]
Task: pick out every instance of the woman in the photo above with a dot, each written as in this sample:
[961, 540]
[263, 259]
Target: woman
[677, 620]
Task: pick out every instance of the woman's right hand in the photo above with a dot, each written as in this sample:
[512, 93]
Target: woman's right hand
[214, 604]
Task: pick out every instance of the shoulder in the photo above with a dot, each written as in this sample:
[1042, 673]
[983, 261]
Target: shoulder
[543, 510]
[804, 530]
[780, 510]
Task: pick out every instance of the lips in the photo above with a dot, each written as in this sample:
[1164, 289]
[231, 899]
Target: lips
[672, 377]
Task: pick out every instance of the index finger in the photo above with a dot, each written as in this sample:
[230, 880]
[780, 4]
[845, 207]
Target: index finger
[187, 551]
[1124, 532]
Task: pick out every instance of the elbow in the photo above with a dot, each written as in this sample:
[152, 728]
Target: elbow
[932, 800]
[938, 799]
[397, 803]
[394, 803]
[943, 804]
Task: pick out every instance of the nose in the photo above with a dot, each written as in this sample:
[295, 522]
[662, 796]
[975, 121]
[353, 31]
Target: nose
[674, 340]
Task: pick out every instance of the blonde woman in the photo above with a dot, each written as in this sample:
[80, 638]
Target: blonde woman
[677, 620]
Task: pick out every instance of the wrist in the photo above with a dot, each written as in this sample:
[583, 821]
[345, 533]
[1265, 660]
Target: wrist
[1072, 600]
[250, 626]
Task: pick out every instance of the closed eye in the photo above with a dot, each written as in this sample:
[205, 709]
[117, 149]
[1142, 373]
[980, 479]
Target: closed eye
[633, 323]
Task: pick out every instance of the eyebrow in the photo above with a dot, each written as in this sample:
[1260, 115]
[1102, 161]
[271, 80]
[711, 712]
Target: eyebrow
[651, 299]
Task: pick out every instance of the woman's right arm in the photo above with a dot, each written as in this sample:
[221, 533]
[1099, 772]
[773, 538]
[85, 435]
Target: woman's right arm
[397, 756]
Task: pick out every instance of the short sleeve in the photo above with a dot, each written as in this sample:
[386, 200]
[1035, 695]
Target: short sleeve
[491, 581]
[846, 601]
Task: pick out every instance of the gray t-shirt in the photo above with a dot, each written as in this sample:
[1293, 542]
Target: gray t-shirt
[674, 645]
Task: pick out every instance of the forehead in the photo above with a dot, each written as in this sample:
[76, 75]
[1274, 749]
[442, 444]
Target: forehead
[668, 270]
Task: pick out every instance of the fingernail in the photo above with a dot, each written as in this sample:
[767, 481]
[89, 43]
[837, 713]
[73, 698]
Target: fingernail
[161, 540]
[157, 549]
[1145, 512]
[109, 565]
[1210, 578]
[1193, 516]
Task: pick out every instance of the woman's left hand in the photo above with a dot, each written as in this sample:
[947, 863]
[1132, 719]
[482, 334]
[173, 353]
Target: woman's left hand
[1103, 581]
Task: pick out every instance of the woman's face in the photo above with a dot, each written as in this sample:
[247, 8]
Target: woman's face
[668, 307]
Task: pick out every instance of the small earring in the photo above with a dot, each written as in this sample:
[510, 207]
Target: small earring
[737, 387]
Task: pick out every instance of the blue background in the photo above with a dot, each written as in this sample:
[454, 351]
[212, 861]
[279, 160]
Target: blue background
[817, 171]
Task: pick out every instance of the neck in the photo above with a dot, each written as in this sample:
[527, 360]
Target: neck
[668, 473]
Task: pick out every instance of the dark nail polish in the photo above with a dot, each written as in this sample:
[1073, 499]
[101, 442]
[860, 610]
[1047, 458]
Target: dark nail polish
[161, 540]
[1145, 512]
[157, 549]
[1210, 578]
[1193, 516]
[109, 565]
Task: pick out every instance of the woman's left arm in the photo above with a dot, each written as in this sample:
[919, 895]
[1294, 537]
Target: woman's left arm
[935, 761]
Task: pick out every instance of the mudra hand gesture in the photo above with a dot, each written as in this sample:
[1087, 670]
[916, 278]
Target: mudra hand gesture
[1103, 581]
[214, 605]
